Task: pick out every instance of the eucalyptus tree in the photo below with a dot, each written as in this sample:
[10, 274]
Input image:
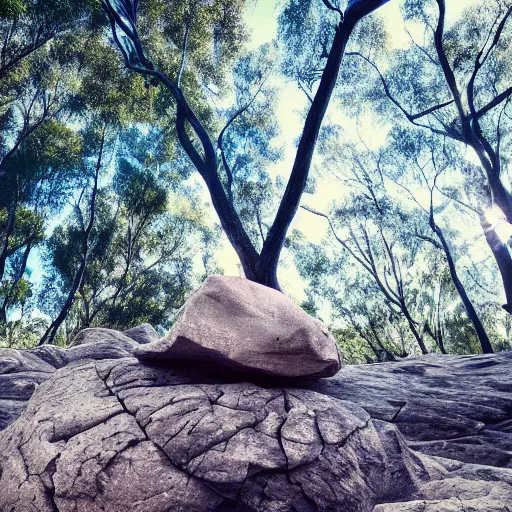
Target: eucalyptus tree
[194, 137]
[389, 286]
[15, 289]
[386, 238]
[372, 243]
[108, 101]
[48, 98]
[37, 177]
[429, 167]
[246, 144]
[38, 151]
[348, 297]
[371, 321]
[460, 89]
[138, 261]
[96, 145]
[28, 25]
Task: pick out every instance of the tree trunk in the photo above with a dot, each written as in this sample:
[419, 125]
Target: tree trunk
[470, 310]
[50, 333]
[501, 253]
[500, 195]
[414, 331]
[8, 232]
[21, 271]
[269, 257]
[436, 336]
[383, 350]
[377, 353]
[261, 268]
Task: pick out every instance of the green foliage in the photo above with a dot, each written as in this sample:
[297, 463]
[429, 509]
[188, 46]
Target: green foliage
[11, 9]
[379, 277]
[106, 90]
[22, 333]
[27, 226]
[215, 34]
[306, 31]
[51, 156]
[139, 267]
[354, 350]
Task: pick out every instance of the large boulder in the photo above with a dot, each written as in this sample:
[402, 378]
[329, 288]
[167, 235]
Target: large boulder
[95, 438]
[143, 333]
[427, 397]
[120, 435]
[92, 428]
[236, 324]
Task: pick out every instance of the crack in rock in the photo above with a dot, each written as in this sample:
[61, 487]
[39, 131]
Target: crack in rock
[118, 435]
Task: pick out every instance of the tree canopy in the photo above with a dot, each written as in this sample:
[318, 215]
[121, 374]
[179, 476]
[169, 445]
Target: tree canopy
[355, 156]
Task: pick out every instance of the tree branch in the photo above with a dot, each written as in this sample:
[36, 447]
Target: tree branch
[183, 54]
[411, 117]
[220, 139]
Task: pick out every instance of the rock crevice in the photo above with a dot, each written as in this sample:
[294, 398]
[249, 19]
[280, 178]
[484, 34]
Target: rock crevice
[93, 428]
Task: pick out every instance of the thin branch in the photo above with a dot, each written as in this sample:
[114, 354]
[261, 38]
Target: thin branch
[220, 141]
[303, 89]
[493, 103]
[420, 48]
[411, 117]
[434, 242]
[338, 239]
[475, 280]
[333, 8]
[183, 54]
[458, 201]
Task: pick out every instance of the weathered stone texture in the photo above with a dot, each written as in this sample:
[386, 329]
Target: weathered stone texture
[240, 325]
[92, 428]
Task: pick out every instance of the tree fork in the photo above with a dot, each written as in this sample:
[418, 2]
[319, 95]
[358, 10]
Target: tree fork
[261, 268]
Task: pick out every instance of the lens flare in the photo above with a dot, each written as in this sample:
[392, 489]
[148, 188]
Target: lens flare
[496, 218]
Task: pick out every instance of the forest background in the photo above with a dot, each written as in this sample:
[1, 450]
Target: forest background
[113, 209]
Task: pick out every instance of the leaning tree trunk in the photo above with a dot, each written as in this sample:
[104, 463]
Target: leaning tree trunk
[501, 253]
[485, 343]
[261, 268]
[412, 327]
[49, 335]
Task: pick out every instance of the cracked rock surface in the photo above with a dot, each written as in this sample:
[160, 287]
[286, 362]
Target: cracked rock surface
[92, 438]
[458, 407]
[92, 428]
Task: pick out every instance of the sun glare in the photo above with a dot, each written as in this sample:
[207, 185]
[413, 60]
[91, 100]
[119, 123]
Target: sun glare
[496, 218]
